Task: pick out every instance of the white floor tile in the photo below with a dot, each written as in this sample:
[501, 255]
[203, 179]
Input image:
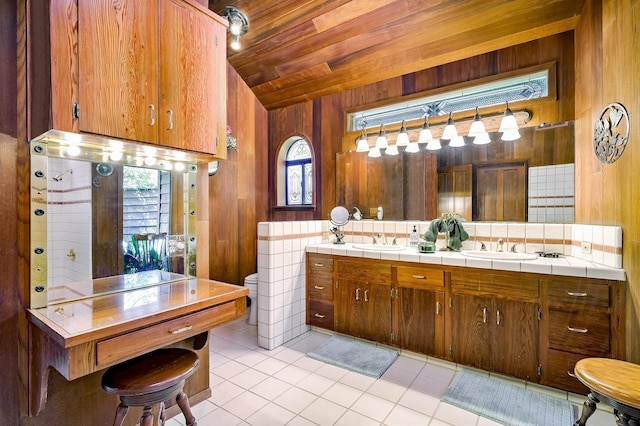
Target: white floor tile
[357, 380]
[315, 384]
[245, 404]
[270, 366]
[351, 418]
[323, 412]
[386, 390]
[270, 388]
[419, 401]
[270, 415]
[248, 378]
[402, 416]
[228, 369]
[295, 399]
[454, 415]
[373, 406]
[291, 374]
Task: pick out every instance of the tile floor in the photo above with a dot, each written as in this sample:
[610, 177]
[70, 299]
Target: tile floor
[254, 386]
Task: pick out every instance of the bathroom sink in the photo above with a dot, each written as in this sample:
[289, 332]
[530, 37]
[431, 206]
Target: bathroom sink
[378, 247]
[499, 255]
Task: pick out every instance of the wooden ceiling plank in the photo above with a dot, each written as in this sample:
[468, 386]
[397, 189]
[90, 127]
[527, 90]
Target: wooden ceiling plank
[351, 11]
[318, 71]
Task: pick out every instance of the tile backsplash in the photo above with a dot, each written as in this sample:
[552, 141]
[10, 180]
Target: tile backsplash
[281, 257]
[552, 193]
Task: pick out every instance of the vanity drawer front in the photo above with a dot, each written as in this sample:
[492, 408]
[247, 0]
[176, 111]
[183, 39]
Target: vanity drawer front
[516, 285]
[578, 292]
[559, 372]
[320, 314]
[320, 288]
[137, 342]
[371, 272]
[319, 264]
[581, 332]
[420, 277]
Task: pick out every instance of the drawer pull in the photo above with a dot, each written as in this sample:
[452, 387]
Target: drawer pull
[319, 265]
[498, 318]
[571, 374]
[366, 295]
[574, 294]
[317, 287]
[437, 308]
[357, 294]
[419, 277]
[577, 330]
[484, 315]
[181, 330]
[319, 316]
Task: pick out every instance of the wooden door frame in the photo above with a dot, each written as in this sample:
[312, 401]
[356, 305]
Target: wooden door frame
[498, 164]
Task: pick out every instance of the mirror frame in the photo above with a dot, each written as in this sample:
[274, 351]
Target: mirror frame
[94, 149]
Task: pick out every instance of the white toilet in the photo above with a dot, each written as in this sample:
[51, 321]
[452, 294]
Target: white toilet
[251, 282]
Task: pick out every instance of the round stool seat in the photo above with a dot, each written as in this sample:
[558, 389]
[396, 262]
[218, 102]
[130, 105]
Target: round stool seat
[152, 379]
[614, 382]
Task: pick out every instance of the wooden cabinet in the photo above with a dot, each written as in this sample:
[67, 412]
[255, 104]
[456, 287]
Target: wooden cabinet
[320, 290]
[582, 319]
[495, 322]
[531, 326]
[455, 187]
[500, 192]
[363, 300]
[152, 73]
[418, 310]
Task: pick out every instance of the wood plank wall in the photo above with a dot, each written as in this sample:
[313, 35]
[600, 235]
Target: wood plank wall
[238, 192]
[607, 69]
[324, 122]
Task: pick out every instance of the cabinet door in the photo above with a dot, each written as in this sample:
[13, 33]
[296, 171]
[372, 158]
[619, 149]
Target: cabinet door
[118, 68]
[376, 313]
[348, 306]
[192, 66]
[418, 317]
[515, 339]
[471, 330]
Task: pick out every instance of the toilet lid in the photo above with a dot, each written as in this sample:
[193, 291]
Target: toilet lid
[253, 278]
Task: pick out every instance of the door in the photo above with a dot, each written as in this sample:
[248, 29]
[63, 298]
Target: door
[515, 339]
[349, 297]
[501, 192]
[418, 317]
[471, 331]
[118, 68]
[192, 75]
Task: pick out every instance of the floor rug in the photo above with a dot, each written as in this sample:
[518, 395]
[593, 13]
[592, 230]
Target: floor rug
[507, 403]
[354, 355]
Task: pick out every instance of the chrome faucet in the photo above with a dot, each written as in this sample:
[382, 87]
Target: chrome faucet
[382, 237]
[483, 246]
[513, 248]
[500, 244]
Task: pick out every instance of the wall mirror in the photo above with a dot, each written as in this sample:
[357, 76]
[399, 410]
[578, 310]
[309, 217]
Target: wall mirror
[108, 217]
[530, 179]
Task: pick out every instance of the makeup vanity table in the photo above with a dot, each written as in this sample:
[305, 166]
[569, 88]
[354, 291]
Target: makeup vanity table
[130, 315]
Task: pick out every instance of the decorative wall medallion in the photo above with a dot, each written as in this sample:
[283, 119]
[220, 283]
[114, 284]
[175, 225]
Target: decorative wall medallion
[611, 133]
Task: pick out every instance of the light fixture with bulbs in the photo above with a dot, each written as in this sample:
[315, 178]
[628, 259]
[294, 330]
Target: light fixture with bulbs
[238, 25]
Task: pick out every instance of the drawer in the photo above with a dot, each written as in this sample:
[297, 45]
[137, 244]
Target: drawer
[509, 285]
[580, 332]
[120, 348]
[578, 293]
[420, 277]
[372, 272]
[319, 264]
[320, 314]
[320, 288]
[559, 371]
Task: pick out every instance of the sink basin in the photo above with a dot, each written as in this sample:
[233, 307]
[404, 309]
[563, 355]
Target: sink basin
[378, 247]
[499, 255]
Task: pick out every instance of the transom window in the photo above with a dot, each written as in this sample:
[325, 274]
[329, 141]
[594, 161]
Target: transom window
[299, 174]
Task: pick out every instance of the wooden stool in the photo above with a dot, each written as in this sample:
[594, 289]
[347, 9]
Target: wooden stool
[614, 382]
[152, 379]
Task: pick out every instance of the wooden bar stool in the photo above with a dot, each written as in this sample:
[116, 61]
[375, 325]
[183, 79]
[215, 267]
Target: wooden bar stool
[613, 382]
[151, 379]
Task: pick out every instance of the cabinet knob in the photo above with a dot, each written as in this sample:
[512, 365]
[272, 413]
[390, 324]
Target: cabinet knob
[357, 294]
[498, 317]
[577, 330]
[366, 295]
[152, 121]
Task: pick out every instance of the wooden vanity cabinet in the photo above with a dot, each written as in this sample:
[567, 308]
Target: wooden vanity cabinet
[418, 309]
[363, 300]
[495, 322]
[320, 290]
[583, 319]
[153, 72]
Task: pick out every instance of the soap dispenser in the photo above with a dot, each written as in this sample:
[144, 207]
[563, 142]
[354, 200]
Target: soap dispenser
[414, 238]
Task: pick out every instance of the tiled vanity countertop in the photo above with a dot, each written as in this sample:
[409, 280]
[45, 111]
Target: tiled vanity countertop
[564, 265]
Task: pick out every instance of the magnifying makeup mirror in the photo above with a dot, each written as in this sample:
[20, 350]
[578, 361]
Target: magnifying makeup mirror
[339, 217]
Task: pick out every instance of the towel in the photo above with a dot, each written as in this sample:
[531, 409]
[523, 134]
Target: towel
[457, 234]
[437, 226]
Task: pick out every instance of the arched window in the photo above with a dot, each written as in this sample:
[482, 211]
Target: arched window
[299, 174]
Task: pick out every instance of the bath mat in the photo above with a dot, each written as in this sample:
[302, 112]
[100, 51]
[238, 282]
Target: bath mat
[506, 403]
[354, 355]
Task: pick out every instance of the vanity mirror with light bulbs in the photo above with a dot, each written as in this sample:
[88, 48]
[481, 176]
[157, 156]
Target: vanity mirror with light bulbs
[89, 198]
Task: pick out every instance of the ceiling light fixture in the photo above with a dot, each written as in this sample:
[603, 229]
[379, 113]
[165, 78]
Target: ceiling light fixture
[381, 141]
[238, 25]
[509, 126]
[392, 150]
[363, 143]
[425, 133]
[374, 152]
[403, 137]
[450, 131]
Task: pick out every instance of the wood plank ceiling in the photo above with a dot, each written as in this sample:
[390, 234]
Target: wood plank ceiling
[298, 50]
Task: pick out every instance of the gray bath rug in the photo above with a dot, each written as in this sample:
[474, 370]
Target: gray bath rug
[507, 403]
[354, 355]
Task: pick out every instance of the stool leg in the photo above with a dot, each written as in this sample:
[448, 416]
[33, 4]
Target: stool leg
[588, 408]
[183, 403]
[161, 416]
[147, 418]
[121, 412]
